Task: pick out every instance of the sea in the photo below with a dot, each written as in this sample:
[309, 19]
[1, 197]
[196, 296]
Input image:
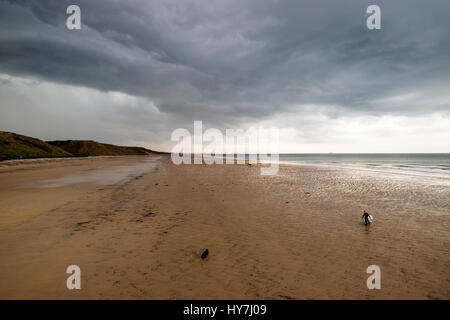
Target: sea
[428, 164]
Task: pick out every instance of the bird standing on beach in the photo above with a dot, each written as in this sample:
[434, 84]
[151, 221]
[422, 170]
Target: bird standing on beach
[205, 254]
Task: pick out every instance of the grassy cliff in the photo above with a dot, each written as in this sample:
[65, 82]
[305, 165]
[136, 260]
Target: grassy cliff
[83, 148]
[16, 146]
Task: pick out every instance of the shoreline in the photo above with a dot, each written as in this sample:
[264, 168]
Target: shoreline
[386, 171]
[431, 175]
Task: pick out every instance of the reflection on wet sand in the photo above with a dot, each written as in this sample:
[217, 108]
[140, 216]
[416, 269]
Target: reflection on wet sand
[103, 176]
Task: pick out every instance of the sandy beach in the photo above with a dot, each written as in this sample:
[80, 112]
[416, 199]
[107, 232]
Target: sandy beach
[137, 225]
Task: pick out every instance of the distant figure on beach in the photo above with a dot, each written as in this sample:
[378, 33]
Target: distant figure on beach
[367, 218]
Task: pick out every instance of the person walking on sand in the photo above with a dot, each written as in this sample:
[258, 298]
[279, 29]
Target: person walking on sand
[366, 217]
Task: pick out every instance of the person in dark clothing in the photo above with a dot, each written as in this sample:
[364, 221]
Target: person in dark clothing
[365, 216]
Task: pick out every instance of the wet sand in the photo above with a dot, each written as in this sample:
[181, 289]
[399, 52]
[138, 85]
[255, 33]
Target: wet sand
[296, 235]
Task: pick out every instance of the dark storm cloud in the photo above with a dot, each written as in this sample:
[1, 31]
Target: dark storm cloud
[234, 61]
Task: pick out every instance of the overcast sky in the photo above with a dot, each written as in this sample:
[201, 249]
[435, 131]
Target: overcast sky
[139, 69]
